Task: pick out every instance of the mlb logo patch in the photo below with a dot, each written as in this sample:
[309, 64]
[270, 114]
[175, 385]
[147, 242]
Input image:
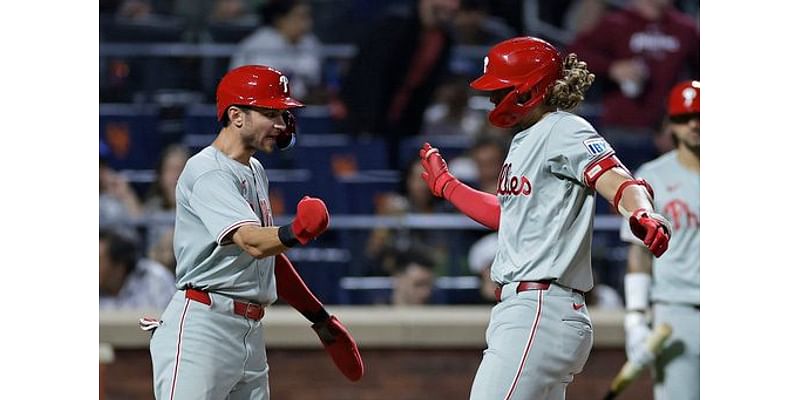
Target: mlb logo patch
[596, 146]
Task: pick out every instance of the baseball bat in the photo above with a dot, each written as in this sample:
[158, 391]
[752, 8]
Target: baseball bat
[631, 370]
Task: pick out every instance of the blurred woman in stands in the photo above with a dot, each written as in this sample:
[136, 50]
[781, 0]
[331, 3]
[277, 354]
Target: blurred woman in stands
[285, 41]
[118, 200]
[159, 205]
[161, 196]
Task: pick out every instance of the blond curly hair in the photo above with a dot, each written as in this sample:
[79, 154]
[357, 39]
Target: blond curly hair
[569, 91]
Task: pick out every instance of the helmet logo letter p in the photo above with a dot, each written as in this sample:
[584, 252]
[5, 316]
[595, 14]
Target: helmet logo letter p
[285, 83]
[688, 96]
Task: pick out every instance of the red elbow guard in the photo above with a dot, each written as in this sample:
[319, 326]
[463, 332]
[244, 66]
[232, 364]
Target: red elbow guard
[596, 169]
[621, 189]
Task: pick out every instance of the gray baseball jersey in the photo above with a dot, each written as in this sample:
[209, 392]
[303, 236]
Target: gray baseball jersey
[676, 274]
[547, 211]
[216, 195]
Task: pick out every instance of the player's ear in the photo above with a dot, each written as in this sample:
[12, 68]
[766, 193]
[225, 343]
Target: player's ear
[236, 116]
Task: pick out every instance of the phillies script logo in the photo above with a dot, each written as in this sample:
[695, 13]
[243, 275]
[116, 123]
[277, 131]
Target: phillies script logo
[510, 184]
[679, 213]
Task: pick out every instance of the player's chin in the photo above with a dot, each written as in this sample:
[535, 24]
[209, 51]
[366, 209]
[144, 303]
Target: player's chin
[268, 145]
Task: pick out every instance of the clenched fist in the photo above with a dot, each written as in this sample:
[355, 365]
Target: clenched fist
[309, 222]
[652, 229]
[436, 174]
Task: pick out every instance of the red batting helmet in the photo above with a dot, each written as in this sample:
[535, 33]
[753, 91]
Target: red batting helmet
[254, 85]
[526, 64]
[684, 98]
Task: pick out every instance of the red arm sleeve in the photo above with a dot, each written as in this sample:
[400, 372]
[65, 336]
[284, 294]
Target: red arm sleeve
[293, 290]
[482, 207]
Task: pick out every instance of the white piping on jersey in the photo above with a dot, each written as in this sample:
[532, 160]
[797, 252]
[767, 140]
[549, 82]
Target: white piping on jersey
[178, 354]
[235, 225]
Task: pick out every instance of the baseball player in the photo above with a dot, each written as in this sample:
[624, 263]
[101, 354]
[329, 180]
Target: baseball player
[208, 343]
[539, 333]
[671, 284]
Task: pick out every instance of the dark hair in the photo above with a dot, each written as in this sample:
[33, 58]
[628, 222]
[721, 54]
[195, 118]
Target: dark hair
[413, 255]
[121, 248]
[489, 140]
[272, 10]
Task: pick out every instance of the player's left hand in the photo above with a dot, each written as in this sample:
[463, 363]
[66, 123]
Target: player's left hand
[311, 220]
[652, 229]
[341, 347]
[286, 139]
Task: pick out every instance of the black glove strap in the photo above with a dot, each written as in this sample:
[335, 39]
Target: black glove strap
[286, 236]
[324, 332]
[317, 316]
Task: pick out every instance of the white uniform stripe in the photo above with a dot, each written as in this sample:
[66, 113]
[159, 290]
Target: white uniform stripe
[235, 225]
[178, 353]
[528, 347]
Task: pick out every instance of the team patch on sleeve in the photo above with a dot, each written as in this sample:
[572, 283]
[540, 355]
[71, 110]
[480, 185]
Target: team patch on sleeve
[596, 146]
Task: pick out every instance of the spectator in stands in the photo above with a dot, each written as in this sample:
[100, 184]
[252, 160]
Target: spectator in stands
[413, 278]
[199, 14]
[450, 113]
[481, 256]
[413, 198]
[285, 41]
[482, 163]
[134, 10]
[162, 251]
[161, 196]
[640, 52]
[391, 80]
[159, 204]
[118, 201]
[473, 26]
[129, 282]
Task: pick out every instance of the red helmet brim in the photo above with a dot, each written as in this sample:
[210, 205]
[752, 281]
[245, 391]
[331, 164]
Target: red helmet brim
[489, 82]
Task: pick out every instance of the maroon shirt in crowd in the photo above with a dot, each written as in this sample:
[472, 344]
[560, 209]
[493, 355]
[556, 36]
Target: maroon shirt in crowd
[669, 47]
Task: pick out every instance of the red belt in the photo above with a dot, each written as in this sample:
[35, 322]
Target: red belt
[252, 311]
[524, 286]
[530, 285]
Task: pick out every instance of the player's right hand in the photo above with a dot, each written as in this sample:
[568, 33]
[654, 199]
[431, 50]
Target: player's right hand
[636, 333]
[311, 220]
[436, 174]
[652, 229]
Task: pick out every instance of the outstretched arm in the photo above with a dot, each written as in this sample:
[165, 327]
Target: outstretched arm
[633, 198]
[482, 207]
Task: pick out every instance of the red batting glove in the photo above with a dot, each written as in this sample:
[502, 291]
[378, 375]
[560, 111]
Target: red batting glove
[652, 229]
[311, 219]
[286, 139]
[341, 347]
[436, 174]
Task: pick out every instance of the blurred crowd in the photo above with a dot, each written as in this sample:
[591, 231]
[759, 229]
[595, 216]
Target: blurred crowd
[389, 69]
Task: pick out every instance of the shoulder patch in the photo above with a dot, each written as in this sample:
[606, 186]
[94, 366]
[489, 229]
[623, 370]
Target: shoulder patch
[596, 146]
